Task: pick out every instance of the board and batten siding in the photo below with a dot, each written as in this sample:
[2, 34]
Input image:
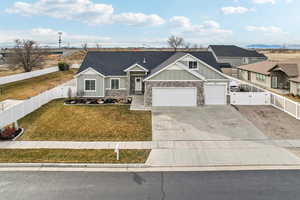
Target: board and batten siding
[123, 81]
[294, 88]
[202, 69]
[243, 75]
[99, 85]
[174, 75]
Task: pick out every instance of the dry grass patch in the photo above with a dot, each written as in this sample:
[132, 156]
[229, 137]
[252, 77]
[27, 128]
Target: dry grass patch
[282, 55]
[34, 86]
[58, 122]
[71, 156]
[291, 97]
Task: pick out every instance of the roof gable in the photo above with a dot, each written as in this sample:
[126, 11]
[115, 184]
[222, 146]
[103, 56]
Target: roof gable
[136, 67]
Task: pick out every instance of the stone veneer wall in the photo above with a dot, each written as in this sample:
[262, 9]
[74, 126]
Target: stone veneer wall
[116, 93]
[150, 84]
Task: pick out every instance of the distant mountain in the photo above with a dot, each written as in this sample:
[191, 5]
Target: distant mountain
[273, 46]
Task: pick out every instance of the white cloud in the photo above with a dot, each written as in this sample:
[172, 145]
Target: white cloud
[45, 36]
[265, 29]
[235, 10]
[85, 11]
[208, 31]
[264, 1]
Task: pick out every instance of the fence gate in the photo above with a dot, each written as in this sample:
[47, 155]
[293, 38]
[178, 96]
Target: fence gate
[250, 98]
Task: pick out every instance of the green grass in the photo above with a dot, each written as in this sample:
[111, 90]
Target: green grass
[58, 122]
[34, 86]
[71, 156]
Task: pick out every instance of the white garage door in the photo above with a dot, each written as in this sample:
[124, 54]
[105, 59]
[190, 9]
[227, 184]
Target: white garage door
[180, 97]
[215, 94]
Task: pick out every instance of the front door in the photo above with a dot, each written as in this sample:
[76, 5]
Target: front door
[138, 84]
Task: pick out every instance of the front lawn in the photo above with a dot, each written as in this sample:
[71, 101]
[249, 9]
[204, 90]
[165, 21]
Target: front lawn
[71, 156]
[34, 86]
[58, 122]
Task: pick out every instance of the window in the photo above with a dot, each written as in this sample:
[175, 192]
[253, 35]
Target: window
[115, 84]
[246, 60]
[193, 65]
[90, 85]
[260, 77]
[298, 90]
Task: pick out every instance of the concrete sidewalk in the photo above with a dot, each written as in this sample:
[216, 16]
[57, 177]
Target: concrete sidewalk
[243, 144]
[222, 157]
[189, 153]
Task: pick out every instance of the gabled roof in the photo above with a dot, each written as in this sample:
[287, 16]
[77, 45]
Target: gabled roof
[259, 67]
[114, 63]
[266, 67]
[234, 51]
[169, 61]
[290, 69]
[136, 65]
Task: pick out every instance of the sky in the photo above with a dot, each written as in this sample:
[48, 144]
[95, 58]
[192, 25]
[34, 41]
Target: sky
[147, 23]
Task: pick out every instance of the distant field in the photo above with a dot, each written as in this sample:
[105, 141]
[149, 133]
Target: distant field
[282, 55]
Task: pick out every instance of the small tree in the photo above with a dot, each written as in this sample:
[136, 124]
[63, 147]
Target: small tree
[63, 66]
[175, 42]
[26, 54]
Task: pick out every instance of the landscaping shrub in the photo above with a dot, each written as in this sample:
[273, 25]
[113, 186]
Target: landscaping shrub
[63, 66]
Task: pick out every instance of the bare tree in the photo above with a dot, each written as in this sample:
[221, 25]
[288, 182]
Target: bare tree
[98, 46]
[26, 54]
[187, 45]
[175, 42]
[85, 47]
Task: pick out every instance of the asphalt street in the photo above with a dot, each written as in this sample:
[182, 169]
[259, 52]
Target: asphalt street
[242, 185]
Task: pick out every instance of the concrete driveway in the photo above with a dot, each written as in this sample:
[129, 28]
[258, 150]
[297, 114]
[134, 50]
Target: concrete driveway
[203, 123]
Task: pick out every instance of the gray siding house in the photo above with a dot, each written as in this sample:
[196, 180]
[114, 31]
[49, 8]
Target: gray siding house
[231, 57]
[162, 78]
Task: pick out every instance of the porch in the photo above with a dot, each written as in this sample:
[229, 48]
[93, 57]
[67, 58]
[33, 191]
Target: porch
[280, 81]
[136, 84]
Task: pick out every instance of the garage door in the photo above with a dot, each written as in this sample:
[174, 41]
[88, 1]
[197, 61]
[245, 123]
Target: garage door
[180, 97]
[215, 94]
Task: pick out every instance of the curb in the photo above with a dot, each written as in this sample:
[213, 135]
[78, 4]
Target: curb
[62, 167]
[70, 165]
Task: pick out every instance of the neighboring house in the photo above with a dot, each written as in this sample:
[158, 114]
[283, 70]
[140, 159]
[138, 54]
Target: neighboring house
[274, 75]
[231, 57]
[163, 78]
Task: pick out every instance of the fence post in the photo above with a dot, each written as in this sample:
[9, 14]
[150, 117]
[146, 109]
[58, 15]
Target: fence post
[284, 103]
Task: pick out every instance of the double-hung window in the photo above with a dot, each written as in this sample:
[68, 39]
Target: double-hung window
[115, 84]
[90, 85]
[193, 65]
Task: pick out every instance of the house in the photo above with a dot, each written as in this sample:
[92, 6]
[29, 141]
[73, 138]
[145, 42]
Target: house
[163, 78]
[231, 57]
[273, 75]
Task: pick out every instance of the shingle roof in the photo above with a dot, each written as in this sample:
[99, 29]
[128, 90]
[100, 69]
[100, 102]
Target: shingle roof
[266, 67]
[114, 63]
[234, 51]
[169, 61]
[259, 67]
[290, 69]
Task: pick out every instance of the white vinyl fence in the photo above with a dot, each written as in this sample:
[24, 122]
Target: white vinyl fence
[250, 98]
[26, 75]
[264, 97]
[19, 111]
[286, 105]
